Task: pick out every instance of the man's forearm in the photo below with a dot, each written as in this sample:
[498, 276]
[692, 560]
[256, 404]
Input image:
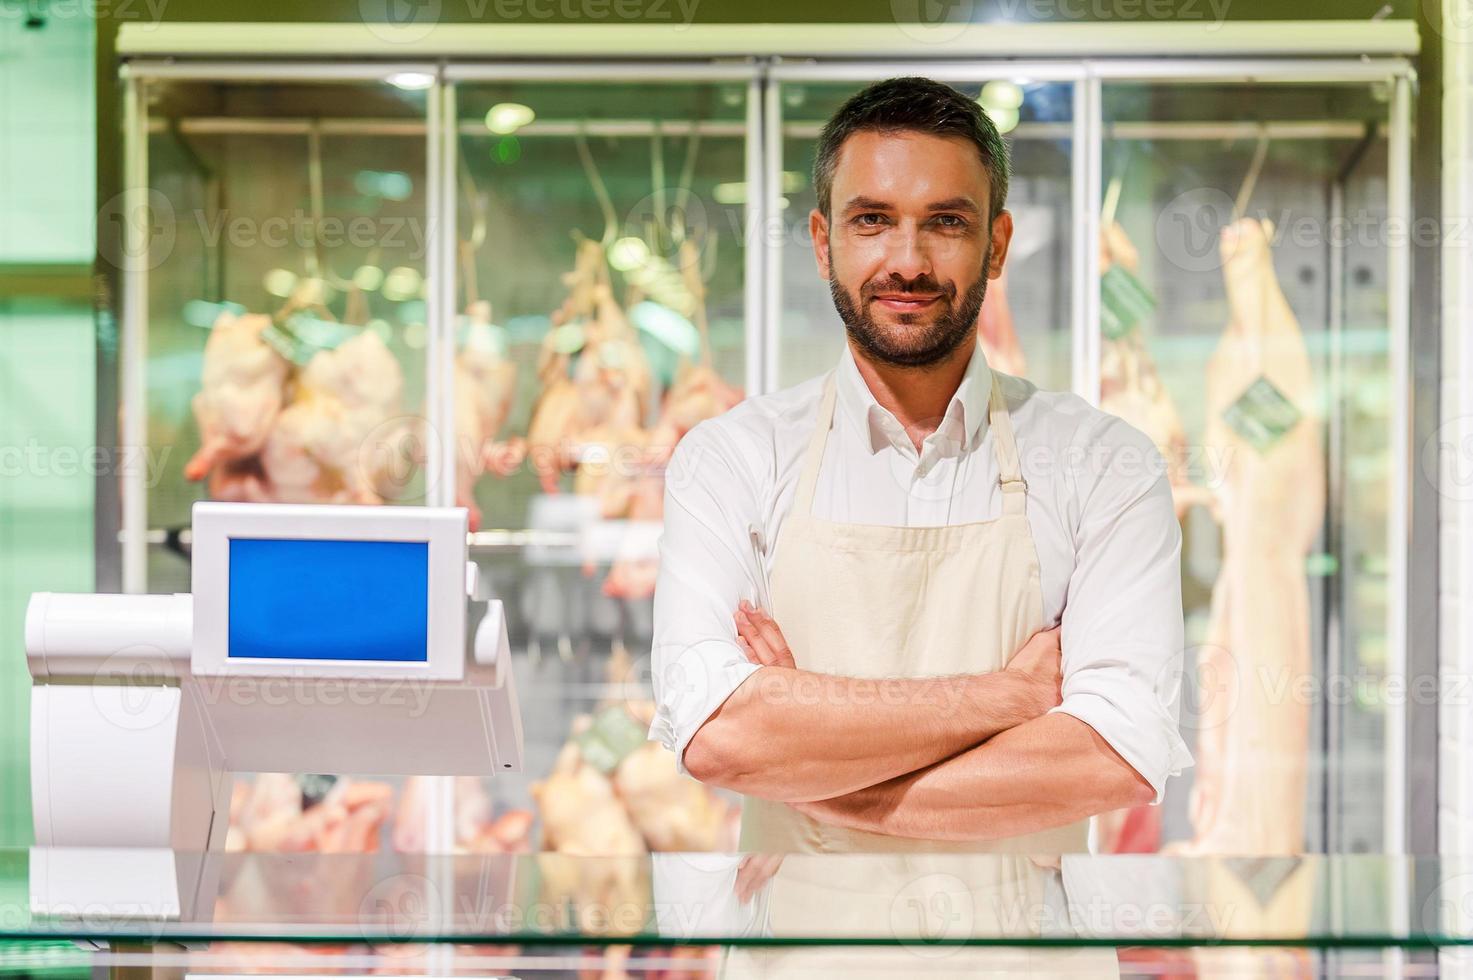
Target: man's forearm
[1046, 773]
[793, 735]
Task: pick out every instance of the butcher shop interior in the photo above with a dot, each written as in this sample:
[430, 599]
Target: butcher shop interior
[503, 259]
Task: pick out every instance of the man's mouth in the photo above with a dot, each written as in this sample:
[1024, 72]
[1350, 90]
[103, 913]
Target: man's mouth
[907, 302]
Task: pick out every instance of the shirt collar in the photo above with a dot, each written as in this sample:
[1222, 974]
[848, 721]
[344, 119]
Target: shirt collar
[966, 412]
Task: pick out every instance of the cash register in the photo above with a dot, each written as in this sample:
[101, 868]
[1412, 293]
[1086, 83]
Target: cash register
[316, 639]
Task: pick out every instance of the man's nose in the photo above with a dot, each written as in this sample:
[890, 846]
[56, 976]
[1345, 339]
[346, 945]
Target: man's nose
[909, 258]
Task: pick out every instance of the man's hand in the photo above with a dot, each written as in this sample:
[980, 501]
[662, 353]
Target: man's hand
[1040, 664]
[759, 637]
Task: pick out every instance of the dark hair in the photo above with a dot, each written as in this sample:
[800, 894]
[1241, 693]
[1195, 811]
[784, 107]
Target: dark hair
[920, 105]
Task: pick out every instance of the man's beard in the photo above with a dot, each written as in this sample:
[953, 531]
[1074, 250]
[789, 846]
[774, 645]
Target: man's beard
[930, 343]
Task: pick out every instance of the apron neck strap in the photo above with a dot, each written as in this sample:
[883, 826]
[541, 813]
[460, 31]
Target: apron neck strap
[803, 503]
[1004, 450]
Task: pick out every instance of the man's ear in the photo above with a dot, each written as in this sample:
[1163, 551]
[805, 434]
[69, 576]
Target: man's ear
[818, 230]
[1002, 235]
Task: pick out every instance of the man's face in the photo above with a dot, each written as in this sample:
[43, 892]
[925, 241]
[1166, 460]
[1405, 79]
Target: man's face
[908, 249]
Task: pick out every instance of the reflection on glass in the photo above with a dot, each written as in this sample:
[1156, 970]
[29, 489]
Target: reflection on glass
[1025, 321]
[1243, 327]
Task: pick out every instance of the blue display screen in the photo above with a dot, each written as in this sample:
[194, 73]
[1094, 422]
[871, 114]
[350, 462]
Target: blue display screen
[302, 599]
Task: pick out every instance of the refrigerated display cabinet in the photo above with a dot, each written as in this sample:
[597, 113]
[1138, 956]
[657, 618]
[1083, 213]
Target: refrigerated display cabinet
[614, 251]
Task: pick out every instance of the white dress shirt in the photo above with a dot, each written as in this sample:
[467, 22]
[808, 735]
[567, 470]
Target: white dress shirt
[1099, 506]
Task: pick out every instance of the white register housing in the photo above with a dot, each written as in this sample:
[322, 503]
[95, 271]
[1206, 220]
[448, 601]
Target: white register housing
[318, 639]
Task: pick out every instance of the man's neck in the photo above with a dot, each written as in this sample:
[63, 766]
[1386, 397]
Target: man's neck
[917, 396]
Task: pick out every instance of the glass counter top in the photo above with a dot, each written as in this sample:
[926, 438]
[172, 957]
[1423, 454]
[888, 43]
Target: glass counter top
[141, 896]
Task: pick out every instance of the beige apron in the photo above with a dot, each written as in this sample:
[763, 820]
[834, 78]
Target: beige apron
[874, 601]
[865, 600]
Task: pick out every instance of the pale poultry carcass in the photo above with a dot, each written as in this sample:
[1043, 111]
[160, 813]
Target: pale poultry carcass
[478, 830]
[337, 442]
[581, 813]
[1252, 759]
[485, 384]
[242, 387]
[610, 374]
[673, 812]
[996, 332]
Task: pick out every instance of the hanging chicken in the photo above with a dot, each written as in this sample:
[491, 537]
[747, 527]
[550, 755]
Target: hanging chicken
[331, 444]
[241, 392]
[1252, 757]
[697, 394]
[485, 383]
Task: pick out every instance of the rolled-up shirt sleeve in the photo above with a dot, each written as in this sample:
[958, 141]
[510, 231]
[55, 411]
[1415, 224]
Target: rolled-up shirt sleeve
[1123, 637]
[706, 567]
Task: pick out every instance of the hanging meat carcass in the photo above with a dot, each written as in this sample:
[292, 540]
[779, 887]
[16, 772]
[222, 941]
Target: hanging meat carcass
[333, 443]
[610, 378]
[241, 392]
[1131, 386]
[485, 383]
[673, 812]
[995, 330]
[1252, 756]
[581, 813]
[270, 814]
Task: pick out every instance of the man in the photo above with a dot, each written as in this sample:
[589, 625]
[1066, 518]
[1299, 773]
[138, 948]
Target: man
[905, 689]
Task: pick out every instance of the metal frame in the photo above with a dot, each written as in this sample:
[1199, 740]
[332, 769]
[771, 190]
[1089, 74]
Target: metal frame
[673, 40]
[762, 300]
[1399, 316]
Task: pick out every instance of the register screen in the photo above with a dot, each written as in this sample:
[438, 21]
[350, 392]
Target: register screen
[302, 599]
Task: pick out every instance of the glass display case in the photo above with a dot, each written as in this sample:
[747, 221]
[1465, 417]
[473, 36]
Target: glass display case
[687, 915]
[562, 267]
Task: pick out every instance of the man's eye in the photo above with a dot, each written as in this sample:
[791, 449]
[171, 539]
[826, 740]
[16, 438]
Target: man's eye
[870, 220]
[951, 221]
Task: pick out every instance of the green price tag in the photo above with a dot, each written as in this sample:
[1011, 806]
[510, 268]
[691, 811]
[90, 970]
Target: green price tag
[1262, 415]
[1124, 302]
[611, 737]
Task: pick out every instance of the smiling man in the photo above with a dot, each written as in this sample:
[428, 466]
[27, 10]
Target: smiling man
[899, 683]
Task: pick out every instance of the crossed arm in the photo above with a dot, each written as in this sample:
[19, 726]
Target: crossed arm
[1043, 770]
[849, 733]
